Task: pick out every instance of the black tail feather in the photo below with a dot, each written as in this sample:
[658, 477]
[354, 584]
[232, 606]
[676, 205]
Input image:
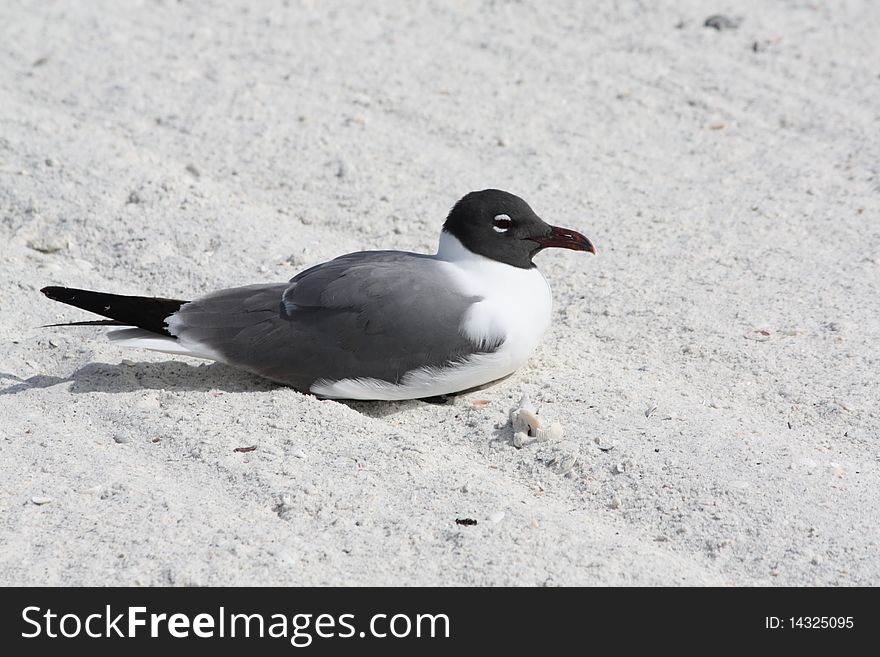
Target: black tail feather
[144, 312]
[94, 322]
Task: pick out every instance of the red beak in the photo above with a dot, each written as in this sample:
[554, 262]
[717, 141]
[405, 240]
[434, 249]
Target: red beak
[565, 238]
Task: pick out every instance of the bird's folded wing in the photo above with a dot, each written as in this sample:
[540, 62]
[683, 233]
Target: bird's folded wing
[370, 314]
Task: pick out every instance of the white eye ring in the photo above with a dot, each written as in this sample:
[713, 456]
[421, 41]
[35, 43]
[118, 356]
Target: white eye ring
[501, 218]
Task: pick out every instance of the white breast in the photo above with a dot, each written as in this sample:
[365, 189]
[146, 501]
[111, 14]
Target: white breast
[514, 309]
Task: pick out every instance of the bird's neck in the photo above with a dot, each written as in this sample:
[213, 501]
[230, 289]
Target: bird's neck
[450, 249]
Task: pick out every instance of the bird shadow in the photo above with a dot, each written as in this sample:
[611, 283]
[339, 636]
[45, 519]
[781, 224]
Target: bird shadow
[175, 375]
[379, 409]
[165, 375]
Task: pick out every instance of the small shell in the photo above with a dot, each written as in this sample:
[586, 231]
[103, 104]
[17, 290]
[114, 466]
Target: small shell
[524, 417]
[526, 424]
[553, 432]
[530, 420]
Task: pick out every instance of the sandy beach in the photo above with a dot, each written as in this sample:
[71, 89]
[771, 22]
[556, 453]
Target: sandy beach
[716, 367]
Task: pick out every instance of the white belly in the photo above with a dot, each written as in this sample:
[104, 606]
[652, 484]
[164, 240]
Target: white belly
[515, 309]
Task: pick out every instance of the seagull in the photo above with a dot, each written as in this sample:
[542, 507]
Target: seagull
[372, 325]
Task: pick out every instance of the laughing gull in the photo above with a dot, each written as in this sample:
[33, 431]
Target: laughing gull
[374, 324]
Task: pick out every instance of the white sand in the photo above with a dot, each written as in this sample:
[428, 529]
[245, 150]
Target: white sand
[173, 148]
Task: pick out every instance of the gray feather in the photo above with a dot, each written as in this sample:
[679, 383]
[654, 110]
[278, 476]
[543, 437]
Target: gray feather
[373, 314]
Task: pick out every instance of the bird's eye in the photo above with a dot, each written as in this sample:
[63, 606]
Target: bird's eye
[501, 223]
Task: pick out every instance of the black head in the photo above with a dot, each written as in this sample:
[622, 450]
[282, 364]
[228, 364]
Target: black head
[501, 226]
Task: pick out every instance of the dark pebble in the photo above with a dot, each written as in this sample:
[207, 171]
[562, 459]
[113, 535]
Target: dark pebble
[720, 22]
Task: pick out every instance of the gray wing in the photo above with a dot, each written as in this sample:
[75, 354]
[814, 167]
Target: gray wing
[373, 314]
